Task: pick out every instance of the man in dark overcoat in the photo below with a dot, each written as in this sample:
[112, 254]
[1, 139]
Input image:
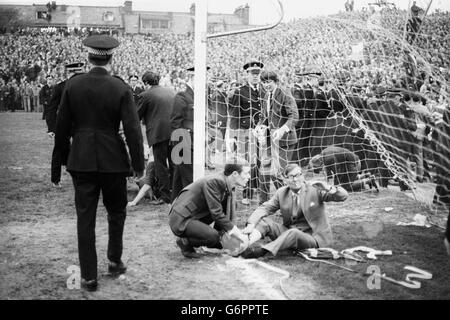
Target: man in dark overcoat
[155, 108]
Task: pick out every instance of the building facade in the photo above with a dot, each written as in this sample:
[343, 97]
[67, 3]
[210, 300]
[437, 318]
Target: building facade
[124, 19]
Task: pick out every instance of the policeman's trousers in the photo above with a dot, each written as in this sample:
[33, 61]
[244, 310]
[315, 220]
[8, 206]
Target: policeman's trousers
[87, 191]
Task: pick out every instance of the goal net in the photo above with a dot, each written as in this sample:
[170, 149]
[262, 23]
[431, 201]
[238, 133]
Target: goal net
[370, 90]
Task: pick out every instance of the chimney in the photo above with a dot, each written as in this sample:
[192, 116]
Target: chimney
[192, 9]
[243, 12]
[128, 7]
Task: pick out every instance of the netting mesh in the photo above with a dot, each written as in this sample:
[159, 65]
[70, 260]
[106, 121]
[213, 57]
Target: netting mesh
[370, 93]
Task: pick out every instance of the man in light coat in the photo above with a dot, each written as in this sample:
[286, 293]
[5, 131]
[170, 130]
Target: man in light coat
[305, 223]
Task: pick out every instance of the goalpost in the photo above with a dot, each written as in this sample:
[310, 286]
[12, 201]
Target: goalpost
[200, 47]
[377, 95]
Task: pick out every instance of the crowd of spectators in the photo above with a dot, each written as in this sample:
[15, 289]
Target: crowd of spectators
[323, 44]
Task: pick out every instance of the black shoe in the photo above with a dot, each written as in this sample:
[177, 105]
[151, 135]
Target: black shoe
[187, 249]
[117, 268]
[253, 252]
[89, 285]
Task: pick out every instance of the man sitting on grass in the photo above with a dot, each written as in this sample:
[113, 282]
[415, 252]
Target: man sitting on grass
[305, 223]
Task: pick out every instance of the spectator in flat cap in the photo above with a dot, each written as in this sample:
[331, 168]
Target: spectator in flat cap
[92, 107]
[71, 69]
[245, 112]
[155, 107]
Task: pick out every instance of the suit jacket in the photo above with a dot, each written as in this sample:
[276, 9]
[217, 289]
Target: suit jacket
[335, 100]
[208, 199]
[342, 162]
[136, 93]
[245, 107]
[311, 204]
[218, 109]
[283, 111]
[155, 107]
[94, 104]
[183, 110]
[45, 94]
[304, 98]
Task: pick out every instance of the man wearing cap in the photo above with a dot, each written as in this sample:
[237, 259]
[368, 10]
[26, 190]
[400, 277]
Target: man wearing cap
[245, 112]
[155, 107]
[92, 107]
[45, 94]
[72, 69]
[280, 115]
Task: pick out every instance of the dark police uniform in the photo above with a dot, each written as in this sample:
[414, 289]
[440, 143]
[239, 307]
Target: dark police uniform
[51, 118]
[44, 98]
[245, 113]
[93, 105]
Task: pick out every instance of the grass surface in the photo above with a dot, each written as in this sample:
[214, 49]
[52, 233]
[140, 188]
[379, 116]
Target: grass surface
[38, 240]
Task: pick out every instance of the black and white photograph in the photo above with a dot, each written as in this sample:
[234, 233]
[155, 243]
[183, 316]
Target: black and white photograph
[236, 152]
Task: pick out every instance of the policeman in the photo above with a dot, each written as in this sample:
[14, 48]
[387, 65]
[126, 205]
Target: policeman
[92, 107]
[72, 69]
[45, 94]
[245, 114]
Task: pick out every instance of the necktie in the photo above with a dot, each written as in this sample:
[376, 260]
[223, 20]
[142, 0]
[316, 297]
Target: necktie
[295, 205]
[230, 206]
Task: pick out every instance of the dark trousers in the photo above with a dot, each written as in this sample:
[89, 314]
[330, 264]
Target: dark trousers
[87, 191]
[182, 177]
[44, 111]
[198, 232]
[201, 234]
[447, 230]
[161, 157]
[56, 166]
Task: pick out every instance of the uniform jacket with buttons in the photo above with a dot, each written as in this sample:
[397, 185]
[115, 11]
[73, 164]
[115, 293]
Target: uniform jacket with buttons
[245, 107]
[94, 104]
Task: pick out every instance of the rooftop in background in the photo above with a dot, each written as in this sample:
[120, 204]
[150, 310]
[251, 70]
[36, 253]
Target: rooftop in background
[262, 11]
[123, 18]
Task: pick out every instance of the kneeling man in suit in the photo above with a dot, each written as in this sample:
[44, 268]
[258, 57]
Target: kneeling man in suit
[208, 200]
[305, 223]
